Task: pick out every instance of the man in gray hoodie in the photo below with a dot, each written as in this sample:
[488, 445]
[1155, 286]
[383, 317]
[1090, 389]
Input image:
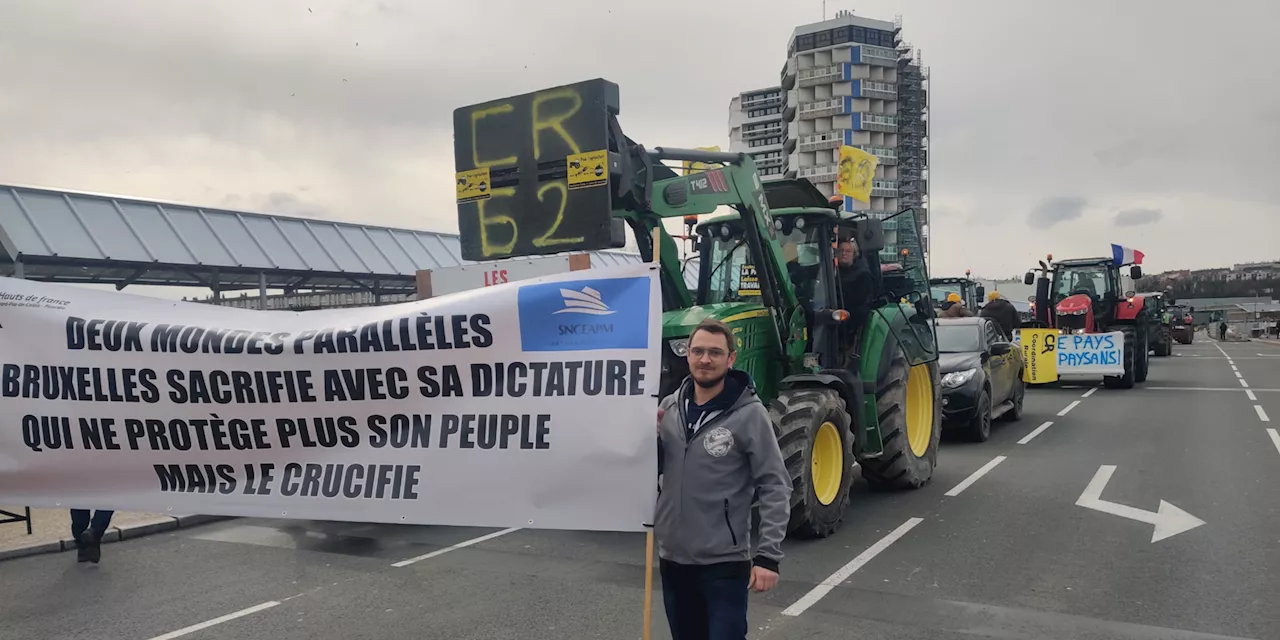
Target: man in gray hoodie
[716, 450]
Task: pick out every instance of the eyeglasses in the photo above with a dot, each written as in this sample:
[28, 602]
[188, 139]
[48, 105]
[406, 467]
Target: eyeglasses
[715, 354]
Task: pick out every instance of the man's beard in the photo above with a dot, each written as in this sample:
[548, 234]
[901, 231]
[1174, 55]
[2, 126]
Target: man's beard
[710, 383]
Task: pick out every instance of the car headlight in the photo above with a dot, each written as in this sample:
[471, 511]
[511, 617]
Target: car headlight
[958, 378]
[680, 347]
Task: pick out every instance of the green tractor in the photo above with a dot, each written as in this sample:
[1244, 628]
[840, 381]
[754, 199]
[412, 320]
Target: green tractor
[1160, 324]
[840, 388]
[971, 292]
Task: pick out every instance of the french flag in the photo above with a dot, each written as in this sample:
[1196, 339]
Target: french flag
[1124, 255]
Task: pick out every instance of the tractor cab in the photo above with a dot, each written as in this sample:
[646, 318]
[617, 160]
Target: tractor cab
[1083, 291]
[971, 292]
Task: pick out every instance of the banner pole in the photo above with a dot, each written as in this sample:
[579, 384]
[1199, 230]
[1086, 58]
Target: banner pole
[648, 536]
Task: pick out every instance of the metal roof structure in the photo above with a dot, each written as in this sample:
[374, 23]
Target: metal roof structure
[63, 236]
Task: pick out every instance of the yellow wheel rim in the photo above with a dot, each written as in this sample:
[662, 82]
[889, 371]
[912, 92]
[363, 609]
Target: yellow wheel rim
[827, 467]
[919, 409]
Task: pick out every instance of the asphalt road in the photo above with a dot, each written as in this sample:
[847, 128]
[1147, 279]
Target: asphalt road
[1006, 554]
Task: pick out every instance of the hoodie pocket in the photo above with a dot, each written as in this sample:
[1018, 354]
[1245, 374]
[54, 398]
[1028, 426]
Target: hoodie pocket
[727, 523]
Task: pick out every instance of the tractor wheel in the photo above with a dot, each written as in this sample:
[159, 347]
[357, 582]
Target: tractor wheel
[1142, 360]
[909, 406]
[817, 443]
[1130, 355]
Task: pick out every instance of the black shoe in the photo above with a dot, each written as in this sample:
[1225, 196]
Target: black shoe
[82, 551]
[91, 545]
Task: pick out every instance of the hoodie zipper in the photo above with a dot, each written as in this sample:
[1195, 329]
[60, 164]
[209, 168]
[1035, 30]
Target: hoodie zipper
[728, 524]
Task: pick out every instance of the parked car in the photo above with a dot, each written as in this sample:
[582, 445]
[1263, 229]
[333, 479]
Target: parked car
[981, 376]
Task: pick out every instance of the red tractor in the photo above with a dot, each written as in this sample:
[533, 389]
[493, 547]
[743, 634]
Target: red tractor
[1093, 295]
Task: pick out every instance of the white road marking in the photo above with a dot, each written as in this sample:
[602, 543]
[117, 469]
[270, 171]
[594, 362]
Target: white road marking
[1243, 383]
[1071, 406]
[1197, 389]
[1275, 438]
[1238, 375]
[1040, 429]
[1233, 368]
[460, 545]
[964, 484]
[1089, 392]
[1249, 392]
[1169, 520]
[216, 621]
[847, 570]
[1262, 413]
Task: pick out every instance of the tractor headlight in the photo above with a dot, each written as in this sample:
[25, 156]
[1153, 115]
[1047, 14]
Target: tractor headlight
[958, 378]
[680, 347]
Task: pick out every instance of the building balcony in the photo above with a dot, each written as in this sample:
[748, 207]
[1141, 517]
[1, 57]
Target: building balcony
[819, 173]
[761, 101]
[823, 108]
[875, 56]
[887, 156]
[822, 75]
[874, 89]
[789, 70]
[775, 161]
[769, 130]
[875, 122]
[820, 141]
[884, 188]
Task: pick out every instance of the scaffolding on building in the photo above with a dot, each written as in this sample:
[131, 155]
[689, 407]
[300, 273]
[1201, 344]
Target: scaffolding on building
[913, 132]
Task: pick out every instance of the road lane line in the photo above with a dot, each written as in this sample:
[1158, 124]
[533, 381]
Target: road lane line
[1262, 413]
[1071, 406]
[1195, 389]
[1243, 383]
[460, 545]
[216, 621]
[834, 580]
[1040, 429]
[1233, 368]
[1238, 375]
[1249, 392]
[964, 484]
[1275, 438]
[1089, 392]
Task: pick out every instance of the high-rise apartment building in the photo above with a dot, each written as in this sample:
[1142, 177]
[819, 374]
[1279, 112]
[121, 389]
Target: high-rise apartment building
[847, 81]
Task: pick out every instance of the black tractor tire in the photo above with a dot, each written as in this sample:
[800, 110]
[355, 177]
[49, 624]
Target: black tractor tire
[979, 427]
[899, 467]
[798, 415]
[1018, 397]
[1130, 355]
[1142, 361]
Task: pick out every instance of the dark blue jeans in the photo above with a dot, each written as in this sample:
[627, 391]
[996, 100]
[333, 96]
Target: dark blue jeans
[80, 522]
[706, 602]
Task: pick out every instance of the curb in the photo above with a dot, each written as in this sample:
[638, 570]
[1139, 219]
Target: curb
[115, 534]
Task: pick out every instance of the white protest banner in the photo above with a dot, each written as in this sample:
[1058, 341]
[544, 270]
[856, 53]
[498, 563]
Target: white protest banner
[1091, 354]
[527, 404]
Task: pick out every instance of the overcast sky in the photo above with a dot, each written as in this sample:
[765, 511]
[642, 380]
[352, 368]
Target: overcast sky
[1057, 126]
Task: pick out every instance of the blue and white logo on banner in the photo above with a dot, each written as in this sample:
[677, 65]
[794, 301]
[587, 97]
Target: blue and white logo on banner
[581, 315]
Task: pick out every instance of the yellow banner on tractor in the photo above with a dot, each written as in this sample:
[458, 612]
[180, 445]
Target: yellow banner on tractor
[697, 167]
[1040, 354]
[857, 172]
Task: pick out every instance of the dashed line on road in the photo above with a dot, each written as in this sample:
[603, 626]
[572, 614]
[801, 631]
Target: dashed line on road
[1238, 375]
[967, 482]
[842, 574]
[1089, 392]
[1040, 429]
[1243, 383]
[216, 621]
[1262, 413]
[1249, 392]
[460, 545]
[1275, 438]
[1074, 404]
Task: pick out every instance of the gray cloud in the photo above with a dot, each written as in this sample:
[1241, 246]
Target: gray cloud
[1057, 209]
[1137, 216]
[242, 101]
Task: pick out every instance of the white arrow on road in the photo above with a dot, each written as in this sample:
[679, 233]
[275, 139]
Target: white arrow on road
[1169, 520]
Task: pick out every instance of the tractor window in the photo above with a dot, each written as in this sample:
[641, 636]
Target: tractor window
[909, 258]
[941, 290]
[1072, 280]
[732, 275]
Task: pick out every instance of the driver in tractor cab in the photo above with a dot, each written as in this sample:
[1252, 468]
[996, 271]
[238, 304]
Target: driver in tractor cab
[855, 284]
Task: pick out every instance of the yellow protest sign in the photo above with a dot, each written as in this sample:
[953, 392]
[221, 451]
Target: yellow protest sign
[697, 167]
[589, 169]
[857, 170]
[1039, 354]
[473, 185]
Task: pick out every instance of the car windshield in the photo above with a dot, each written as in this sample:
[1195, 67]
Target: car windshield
[959, 338]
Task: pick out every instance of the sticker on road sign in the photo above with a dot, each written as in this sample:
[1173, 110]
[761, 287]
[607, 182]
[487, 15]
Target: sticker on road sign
[588, 169]
[473, 185]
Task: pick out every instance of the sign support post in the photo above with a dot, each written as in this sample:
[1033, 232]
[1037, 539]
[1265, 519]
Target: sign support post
[648, 536]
